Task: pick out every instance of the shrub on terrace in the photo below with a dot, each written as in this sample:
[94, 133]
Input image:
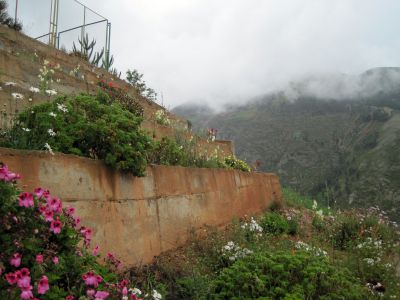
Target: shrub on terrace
[187, 154]
[282, 275]
[87, 126]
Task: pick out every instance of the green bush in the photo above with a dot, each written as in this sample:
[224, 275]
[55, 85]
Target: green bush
[87, 126]
[236, 163]
[318, 223]
[283, 275]
[185, 153]
[274, 224]
[168, 152]
[293, 227]
[346, 231]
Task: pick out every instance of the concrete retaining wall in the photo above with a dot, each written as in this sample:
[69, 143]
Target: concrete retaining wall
[137, 218]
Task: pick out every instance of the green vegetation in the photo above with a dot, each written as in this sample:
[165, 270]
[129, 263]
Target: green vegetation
[135, 79]
[343, 153]
[282, 275]
[107, 127]
[86, 126]
[181, 152]
[290, 253]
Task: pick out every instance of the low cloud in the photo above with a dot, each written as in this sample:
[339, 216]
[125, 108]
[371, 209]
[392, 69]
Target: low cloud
[216, 52]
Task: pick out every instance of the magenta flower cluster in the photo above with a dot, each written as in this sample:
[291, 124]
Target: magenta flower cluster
[52, 214]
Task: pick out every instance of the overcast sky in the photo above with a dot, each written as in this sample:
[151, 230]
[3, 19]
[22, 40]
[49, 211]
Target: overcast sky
[219, 51]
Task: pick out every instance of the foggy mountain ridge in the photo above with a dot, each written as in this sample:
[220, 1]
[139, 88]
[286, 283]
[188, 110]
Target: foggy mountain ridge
[343, 147]
[332, 86]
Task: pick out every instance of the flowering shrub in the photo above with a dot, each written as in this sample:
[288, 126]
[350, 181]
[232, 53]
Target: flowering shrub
[86, 126]
[40, 257]
[115, 93]
[162, 118]
[312, 249]
[233, 252]
[274, 223]
[187, 154]
[233, 162]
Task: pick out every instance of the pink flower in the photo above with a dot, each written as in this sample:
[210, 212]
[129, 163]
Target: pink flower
[16, 260]
[125, 291]
[23, 278]
[91, 279]
[43, 285]
[11, 278]
[54, 204]
[90, 292]
[26, 293]
[6, 175]
[69, 211]
[48, 216]
[87, 234]
[77, 221]
[101, 295]
[96, 250]
[25, 199]
[39, 259]
[39, 192]
[69, 297]
[55, 260]
[56, 226]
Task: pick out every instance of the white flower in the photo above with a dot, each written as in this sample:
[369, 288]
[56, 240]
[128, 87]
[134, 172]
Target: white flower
[10, 83]
[1, 88]
[26, 129]
[46, 62]
[51, 114]
[62, 107]
[315, 205]
[17, 96]
[156, 295]
[51, 92]
[135, 291]
[48, 148]
[51, 132]
[34, 89]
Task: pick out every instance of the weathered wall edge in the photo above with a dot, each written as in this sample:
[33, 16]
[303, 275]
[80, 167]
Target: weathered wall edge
[137, 218]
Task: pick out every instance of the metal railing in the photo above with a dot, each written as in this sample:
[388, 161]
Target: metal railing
[55, 35]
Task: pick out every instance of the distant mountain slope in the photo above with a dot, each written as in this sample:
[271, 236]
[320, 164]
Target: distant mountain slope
[347, 150]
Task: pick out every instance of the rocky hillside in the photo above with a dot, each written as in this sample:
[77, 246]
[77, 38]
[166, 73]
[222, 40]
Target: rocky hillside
[346, 150]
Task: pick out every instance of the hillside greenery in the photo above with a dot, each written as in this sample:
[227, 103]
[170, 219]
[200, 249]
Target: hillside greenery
[291, 252]
[344, 152]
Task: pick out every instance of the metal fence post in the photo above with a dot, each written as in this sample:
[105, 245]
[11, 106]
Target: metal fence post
[16, 11]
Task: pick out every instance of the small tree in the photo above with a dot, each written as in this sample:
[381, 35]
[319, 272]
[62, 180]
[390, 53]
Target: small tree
[135, 79]
[5, 19]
